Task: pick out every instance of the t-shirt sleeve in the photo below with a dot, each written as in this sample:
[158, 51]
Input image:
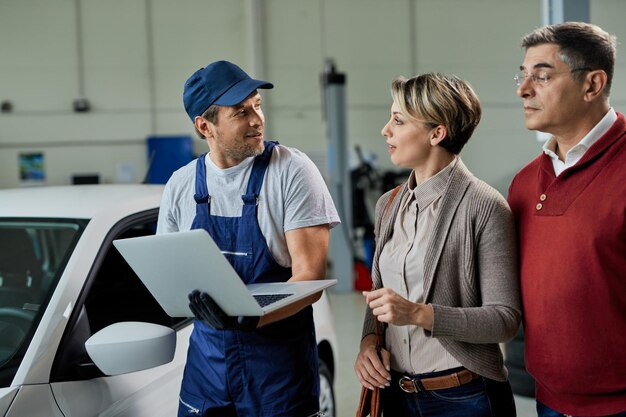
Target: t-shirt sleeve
[307, 199]
[167, 221]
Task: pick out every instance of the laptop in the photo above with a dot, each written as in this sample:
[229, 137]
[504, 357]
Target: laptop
[174, 264]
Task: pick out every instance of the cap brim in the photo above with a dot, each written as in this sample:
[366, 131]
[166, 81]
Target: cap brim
[240, 91]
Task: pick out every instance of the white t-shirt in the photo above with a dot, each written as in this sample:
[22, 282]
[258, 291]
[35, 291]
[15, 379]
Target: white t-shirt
[293, 195]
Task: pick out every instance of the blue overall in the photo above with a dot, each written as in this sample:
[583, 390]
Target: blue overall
[272, 371]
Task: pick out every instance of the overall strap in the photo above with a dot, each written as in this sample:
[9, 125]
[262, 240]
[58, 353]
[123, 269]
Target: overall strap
[202, 193]
[258, 173]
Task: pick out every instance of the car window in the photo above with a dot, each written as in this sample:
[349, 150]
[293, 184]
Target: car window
[33, 253]
[113, 293]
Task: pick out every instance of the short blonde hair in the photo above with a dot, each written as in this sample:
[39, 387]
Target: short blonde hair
[438, 99]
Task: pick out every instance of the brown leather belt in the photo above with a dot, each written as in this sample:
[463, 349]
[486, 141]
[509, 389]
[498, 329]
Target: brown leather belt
[411, 385]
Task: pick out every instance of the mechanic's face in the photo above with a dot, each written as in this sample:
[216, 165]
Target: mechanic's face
[238, 132]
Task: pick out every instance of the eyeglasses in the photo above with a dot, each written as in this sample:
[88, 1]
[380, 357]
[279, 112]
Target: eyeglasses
[542, 77]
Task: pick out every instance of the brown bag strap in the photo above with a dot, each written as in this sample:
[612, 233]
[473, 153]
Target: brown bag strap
[379, 336]
[394, 193]
[380, 330]
[379, 220]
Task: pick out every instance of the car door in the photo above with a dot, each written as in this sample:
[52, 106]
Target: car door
[112, 293]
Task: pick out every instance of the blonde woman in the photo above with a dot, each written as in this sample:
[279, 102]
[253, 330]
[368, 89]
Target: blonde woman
[445, 279]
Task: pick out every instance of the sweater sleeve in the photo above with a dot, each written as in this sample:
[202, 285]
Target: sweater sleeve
[498, 314]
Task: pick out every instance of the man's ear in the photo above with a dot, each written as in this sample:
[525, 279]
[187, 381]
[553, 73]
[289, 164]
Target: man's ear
[204, 126]
[595, 83]
[437, 134]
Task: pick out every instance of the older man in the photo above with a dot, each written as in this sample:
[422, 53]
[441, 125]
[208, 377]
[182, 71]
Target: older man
[570, 208]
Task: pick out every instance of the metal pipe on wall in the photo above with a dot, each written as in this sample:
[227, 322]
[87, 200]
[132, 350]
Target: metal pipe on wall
[256, 43]
[341, 251]
[151, 67]
[558, 11]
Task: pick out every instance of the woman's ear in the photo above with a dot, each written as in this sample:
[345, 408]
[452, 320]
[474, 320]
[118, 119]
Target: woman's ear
[437, 134]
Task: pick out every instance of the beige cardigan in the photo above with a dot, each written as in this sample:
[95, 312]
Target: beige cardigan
[470, 271]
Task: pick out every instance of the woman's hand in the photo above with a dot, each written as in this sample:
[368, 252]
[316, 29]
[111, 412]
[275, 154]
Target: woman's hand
[389, 307]
[372, 370]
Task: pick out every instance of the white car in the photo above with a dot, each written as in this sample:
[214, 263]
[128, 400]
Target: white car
[63, 285]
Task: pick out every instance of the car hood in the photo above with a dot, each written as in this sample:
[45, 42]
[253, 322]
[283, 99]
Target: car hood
[6, 398]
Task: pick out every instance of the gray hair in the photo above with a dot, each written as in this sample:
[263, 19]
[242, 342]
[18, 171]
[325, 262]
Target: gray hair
[581, 45]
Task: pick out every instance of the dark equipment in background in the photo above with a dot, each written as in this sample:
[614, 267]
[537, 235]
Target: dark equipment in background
[367, 184]
[82, 179]
[81, 105]
[6, 106]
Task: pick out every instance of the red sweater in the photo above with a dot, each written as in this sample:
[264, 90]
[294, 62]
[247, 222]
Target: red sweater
[572, 243]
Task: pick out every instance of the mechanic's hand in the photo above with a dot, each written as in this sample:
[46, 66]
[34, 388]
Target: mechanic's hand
[207, 310]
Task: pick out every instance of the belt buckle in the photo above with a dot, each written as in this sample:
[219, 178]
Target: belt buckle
[414, 387]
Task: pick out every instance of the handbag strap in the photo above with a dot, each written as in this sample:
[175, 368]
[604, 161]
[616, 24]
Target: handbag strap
[394, 193]
[380, 330]
[379, 336]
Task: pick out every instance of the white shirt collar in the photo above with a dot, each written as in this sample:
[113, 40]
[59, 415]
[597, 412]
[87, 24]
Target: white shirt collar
[577, 151]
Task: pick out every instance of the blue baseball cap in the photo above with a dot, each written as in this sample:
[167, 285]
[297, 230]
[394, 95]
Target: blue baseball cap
[222, 83]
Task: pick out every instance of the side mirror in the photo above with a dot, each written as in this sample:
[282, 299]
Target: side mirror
[131, 346]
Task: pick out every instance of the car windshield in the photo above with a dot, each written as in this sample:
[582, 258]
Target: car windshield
[33, 253]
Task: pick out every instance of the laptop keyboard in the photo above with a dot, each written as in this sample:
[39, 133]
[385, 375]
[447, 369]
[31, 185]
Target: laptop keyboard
[267, 299]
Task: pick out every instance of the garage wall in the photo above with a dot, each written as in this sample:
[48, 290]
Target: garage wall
[130, 58]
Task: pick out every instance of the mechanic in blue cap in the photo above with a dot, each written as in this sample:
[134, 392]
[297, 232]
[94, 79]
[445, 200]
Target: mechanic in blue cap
[269, 210]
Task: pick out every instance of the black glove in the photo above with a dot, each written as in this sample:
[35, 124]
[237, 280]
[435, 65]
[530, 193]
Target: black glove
[204, 308]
